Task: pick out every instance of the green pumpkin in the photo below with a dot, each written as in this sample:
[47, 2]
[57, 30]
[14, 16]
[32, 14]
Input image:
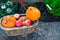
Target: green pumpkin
[53, 7]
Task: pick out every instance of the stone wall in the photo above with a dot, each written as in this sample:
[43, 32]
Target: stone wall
[34, 1]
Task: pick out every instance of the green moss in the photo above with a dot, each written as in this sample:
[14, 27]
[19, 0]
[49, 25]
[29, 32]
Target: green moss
[55, 5]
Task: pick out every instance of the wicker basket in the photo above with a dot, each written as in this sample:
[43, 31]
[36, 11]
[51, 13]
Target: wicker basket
[19, 30]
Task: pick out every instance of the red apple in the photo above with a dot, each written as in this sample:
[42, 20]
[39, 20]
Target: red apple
[28, 22]
[24, 23]
[18, 23]
[16, 16]
[23, 18]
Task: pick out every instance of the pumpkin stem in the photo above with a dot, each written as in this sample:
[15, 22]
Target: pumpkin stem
[30, 9]
[5, 22]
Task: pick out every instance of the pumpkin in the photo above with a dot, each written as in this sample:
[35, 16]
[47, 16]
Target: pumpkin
[33, 13]
[8, 21]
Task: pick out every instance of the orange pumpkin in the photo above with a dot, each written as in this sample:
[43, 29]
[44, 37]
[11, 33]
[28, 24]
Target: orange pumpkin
[33, 13]
[8, 22]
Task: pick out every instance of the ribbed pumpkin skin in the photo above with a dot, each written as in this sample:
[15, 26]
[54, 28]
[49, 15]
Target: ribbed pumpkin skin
[8, 22]
[33, 13]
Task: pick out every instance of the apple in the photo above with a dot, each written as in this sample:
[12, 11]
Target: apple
[16, 16]
[23, 18]
[24, 23]
[18, 23]
[28, 22]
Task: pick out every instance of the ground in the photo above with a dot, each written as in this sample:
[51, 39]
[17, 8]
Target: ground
[49, 31]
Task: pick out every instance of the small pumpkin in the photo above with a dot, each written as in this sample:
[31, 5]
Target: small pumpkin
[8, 21]
[33, 13]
